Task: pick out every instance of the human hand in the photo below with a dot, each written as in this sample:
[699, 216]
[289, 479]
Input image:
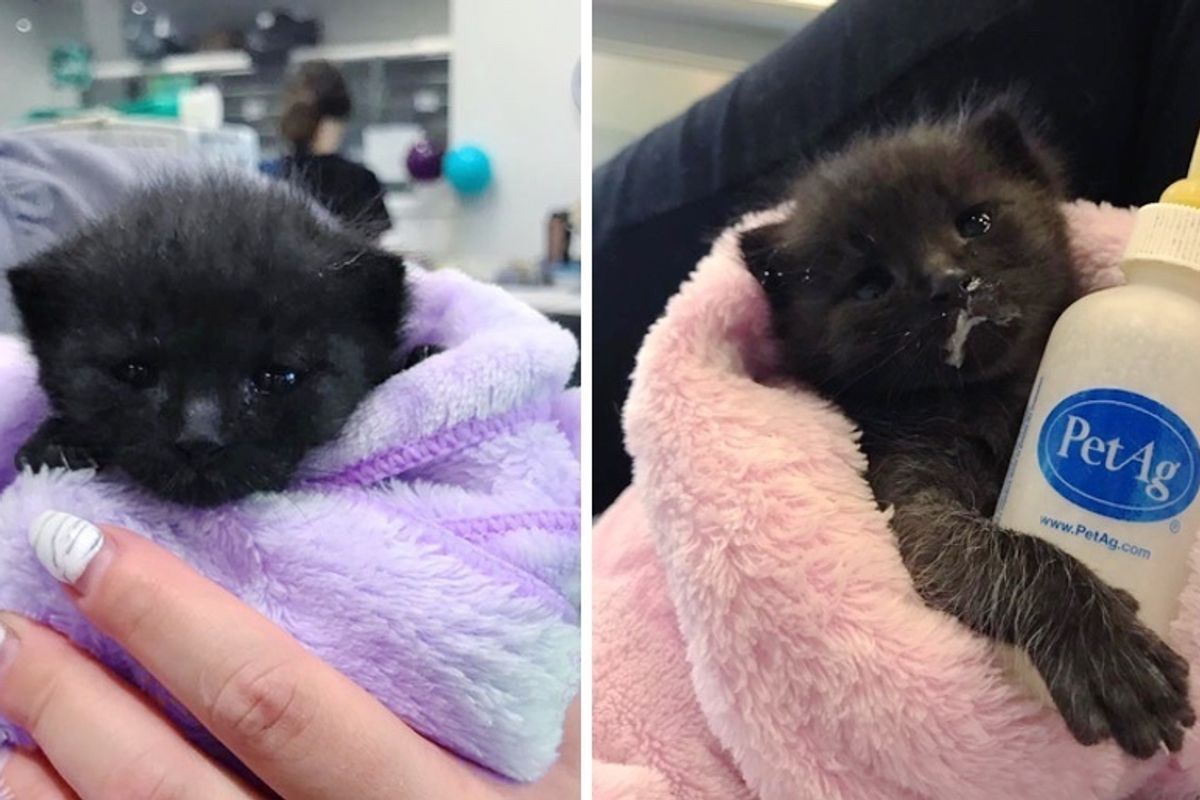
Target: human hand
[302, 728]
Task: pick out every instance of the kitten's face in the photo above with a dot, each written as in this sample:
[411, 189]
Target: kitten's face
[204, 348]
[923, 259]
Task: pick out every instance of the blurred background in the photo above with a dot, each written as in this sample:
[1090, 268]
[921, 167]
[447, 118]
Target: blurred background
[465, 111]
[654, 58]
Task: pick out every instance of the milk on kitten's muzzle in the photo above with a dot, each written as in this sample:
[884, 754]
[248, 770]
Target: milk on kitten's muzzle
[980, 304]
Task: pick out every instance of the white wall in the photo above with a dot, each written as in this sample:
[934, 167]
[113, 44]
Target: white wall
[651, 60]
[24, 74]
[632, 95]
[679, 28]
[510, 92]
[25, 81]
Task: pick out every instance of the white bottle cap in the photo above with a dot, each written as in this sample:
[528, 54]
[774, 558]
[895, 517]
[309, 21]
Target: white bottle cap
[1166, 233]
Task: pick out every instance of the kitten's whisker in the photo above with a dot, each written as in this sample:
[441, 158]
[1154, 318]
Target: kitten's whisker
[876, 366]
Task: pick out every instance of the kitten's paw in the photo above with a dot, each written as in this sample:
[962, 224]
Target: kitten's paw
[1128, 600]
[421, 353]
[38, 454]
[1120, 679]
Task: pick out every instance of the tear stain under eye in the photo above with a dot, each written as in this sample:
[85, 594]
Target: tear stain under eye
[980, 308]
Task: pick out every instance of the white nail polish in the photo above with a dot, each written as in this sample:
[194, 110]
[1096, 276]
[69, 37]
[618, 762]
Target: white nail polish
[5, 792]
[65, 544]
[5, 755]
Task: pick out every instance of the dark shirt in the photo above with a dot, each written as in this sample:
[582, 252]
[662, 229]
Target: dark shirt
[350, 191]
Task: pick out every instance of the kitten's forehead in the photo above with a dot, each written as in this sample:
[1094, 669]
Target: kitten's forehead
[192, 306]
[227, 258]
[893, 187]
[251, 303]
[221, 269]
[899, 170]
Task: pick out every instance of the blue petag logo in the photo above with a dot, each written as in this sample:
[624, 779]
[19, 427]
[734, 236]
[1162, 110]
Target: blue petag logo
[1120, 454]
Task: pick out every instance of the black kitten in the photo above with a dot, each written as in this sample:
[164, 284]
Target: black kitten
[916, 284]
[206, 336]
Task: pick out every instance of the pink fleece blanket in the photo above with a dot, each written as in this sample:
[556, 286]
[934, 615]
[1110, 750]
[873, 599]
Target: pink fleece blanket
[756, 634]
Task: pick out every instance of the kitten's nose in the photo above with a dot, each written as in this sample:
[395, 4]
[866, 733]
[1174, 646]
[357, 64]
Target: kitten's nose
[200, 434]
[946, 285]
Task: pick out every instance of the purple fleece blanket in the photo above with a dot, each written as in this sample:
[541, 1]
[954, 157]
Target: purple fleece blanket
[431, 553]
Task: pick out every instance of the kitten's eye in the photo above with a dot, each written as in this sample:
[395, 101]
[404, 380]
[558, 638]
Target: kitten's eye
[275, 379]
[861, 242]
[871, 284]
[974, 222]
[137, 374]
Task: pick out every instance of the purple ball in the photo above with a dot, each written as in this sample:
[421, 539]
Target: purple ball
[424, 161]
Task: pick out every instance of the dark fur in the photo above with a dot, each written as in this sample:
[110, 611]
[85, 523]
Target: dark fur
[208, 282]
[938, 437]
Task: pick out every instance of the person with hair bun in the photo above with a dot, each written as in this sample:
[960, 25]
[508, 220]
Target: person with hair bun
[316, 105]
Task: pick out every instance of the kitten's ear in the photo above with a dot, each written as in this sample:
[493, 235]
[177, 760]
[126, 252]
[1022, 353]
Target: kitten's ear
[1011, 140]
[40, 293]
[761, 253]
[381, 290]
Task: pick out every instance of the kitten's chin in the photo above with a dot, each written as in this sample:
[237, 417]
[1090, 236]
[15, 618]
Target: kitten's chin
[205, 494]
[206, 488]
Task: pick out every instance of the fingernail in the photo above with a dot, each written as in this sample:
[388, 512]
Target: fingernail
[8, 652]
[5, 754]
[66, 545]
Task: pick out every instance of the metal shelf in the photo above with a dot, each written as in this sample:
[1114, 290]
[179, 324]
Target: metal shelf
[423, 47]
[238, 62]
[223, 62]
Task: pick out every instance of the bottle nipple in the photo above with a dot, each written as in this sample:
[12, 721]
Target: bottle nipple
[1186, 192]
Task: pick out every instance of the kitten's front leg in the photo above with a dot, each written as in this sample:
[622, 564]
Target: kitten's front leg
[1107, 672]
[54, 444]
